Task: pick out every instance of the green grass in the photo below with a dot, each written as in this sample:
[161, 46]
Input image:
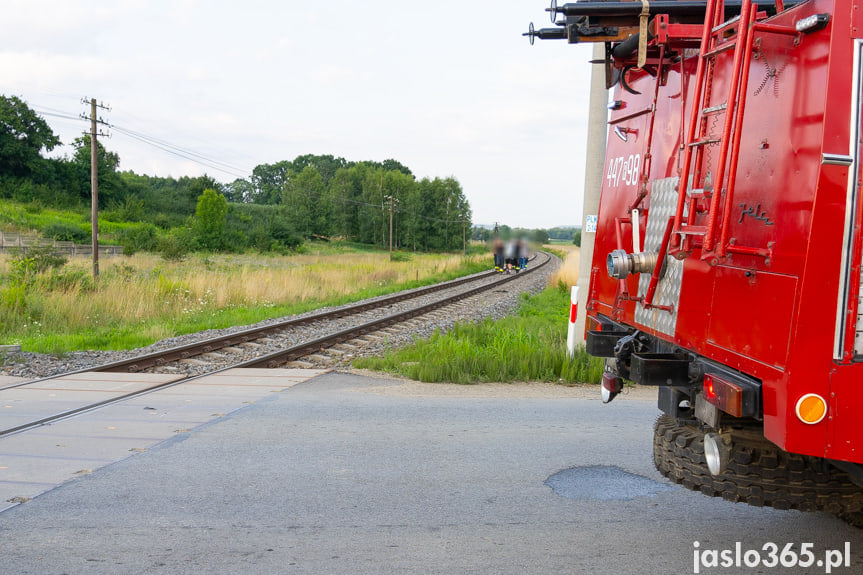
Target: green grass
[529, 346]
[28, 217]
[31, 218]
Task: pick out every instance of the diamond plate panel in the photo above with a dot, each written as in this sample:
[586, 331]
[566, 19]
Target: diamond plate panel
[663, 202]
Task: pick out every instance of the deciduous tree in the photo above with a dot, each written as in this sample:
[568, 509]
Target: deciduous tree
[23, 136]
[210, 218]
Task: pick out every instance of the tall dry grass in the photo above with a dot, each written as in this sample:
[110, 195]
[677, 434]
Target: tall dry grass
[567, 273]
[143, 298]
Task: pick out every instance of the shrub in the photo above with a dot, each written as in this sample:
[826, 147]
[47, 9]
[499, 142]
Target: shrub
[138, 238]
[176, 245]
[132, 210]
[211, 214]
[13, 298]
[36, 261]
[63, 232]
[35, 206]
[171, 248]
[284, 234]
[120, 270]
[66, 280]
[276, 237]
[166, 221]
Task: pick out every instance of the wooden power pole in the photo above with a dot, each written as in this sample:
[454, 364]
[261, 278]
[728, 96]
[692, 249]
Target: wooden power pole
[94, 180]
[393, 203]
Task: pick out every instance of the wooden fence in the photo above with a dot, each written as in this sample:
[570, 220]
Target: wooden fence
[15, 242]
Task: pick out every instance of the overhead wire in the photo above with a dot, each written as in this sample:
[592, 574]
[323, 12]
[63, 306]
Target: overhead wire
[191, 156]
[154, 141]
[163, 145]
[56, 114]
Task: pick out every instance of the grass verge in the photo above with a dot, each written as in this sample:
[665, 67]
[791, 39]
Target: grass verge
[529, 346]
[142, 299]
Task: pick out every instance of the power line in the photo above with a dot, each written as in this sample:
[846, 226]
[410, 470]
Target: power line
[59, 114]
[201, 160]
[155, 141]
[163, 145]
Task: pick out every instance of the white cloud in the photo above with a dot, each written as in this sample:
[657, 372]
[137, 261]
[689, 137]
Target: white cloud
[448, 88]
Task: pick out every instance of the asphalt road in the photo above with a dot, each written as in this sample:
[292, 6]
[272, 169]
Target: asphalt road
[349, 474]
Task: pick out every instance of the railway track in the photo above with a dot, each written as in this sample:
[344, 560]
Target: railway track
[282, 342]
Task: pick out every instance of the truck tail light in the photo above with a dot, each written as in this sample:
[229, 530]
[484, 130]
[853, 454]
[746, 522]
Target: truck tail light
[611, 386]
[593, 324]
[811, 408]
[723, 394]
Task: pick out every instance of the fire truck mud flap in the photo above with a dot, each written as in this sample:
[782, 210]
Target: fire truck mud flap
[758, 472]
[659, 369]
[602, 343]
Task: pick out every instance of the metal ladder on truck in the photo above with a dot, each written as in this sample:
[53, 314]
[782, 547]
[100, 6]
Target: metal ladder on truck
[715, 40]
[713, 232]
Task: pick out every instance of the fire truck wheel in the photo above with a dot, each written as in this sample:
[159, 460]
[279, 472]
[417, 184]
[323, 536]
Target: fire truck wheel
[758, 473]
[855, 519]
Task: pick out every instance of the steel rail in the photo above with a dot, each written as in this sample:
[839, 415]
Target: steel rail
[186, 351]
[189, 350]
[92, 406]
[277, 358]
[294, 352]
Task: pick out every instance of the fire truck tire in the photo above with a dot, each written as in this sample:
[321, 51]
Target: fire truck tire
[855, 519]
[759, 473]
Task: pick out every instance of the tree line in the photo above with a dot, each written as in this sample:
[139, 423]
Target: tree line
[275, 208]
[539, 236]
[332, 197]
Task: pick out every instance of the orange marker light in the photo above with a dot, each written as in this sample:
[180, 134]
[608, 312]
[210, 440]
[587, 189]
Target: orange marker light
[811, 408]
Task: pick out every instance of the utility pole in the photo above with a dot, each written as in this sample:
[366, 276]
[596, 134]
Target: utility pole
[393, 203]
[463, 236]
[94, 179]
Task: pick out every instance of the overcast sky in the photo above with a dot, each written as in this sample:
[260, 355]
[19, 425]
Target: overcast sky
[448, 88]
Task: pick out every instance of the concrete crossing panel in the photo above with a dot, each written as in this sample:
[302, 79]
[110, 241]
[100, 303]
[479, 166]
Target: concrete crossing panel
[38, 460]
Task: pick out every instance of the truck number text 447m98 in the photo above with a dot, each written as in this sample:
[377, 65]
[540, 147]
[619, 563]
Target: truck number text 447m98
[623, 170]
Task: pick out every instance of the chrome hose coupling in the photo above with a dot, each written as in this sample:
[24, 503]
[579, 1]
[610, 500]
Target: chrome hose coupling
[621, 264]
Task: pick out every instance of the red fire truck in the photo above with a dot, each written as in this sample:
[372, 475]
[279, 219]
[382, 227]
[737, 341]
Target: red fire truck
[727, 262]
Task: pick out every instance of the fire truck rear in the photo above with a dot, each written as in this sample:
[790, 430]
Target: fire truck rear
[727, 260]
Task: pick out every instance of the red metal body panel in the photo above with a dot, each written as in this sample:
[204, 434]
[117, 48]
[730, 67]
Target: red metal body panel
[768, 308]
